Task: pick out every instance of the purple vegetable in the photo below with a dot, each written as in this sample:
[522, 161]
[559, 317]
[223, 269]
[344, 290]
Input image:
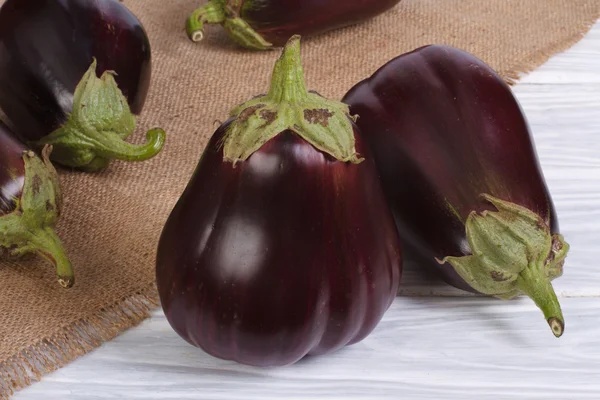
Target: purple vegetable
[282, 244]
[461, 174]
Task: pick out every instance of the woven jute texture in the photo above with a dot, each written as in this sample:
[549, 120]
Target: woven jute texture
[112, 220]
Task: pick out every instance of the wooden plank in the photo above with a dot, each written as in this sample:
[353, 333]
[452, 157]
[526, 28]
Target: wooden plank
[425, 348]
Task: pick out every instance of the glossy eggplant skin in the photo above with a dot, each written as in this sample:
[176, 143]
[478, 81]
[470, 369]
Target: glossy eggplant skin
[444, 129]
[288, 253]
[277, 20]
[46, 46]
[12, 170]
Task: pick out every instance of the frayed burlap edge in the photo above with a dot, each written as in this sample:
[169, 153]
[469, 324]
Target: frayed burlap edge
[512, 77]
[74, 341]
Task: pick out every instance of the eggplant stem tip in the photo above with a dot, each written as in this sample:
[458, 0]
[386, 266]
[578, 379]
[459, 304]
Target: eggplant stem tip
[557, 326]
[197, 36]
[66, 282]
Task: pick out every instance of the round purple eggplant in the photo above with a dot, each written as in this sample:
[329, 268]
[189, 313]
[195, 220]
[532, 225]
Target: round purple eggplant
[50, 54]
[461, 174]
[263, 24]
[30, 200]
[282, 244]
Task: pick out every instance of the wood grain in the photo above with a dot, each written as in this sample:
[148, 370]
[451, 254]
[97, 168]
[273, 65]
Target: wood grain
[426, 347]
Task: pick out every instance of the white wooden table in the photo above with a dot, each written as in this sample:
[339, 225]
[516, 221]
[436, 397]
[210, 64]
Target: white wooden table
[435, 342]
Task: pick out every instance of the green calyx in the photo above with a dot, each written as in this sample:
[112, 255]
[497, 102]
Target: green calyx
[226, 13]
[514, 252]
[325, 124]
[29, 228]
[96, 130]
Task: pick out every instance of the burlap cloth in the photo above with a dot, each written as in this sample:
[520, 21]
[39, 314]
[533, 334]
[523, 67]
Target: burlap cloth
[112, 220]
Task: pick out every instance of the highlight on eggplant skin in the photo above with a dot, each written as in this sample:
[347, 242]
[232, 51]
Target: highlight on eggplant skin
[30, 205]
[264, 24]
[59, 56]
[461, 174]
[283, 249]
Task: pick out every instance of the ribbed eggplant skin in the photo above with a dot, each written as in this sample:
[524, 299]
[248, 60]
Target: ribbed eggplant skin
[288, 253]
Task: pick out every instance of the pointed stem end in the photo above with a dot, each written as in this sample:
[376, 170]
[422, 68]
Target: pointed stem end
[292, 47]
[557, 326]
[197, 36]
[47, 243]
[533, 283]
[66, 282]
[156, 140]
[218, 12]
[194, 26]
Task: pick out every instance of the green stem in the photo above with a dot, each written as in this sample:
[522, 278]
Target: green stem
[96, 129]
[212, 12]
[287, 82]
[99, 148]
[289, 106]
[48, 245]
[109, 145]
[537, 286]
[227, 14]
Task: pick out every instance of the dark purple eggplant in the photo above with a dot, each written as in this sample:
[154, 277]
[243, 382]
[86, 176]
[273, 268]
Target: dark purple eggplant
[262, 24]
[461, 174]
[30, 200]
[282, 244]
[50, 54]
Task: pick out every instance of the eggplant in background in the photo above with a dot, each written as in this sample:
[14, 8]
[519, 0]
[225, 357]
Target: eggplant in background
[264, 24]
[50, 54]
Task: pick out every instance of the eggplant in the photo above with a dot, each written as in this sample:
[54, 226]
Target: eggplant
[30, 201]
[263, 24]
[461, 174]
[282, 243]
[51, 53]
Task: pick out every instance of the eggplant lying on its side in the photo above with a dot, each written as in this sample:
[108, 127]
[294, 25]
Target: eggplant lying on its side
[50, 54]
[264, 24]
[461, 174]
